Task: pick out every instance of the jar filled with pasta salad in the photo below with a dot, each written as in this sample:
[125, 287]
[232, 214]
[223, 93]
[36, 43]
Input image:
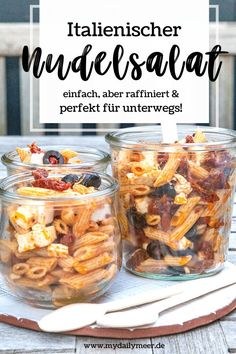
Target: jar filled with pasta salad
[175, 199]
[60, 242]
[59, 158]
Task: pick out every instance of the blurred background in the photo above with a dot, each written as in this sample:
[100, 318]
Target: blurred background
[14, 83]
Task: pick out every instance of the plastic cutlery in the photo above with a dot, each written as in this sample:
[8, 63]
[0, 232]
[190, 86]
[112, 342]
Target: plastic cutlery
[79, 315]
[149, 314]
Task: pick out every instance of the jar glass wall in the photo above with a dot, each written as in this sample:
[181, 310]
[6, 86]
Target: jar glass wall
[55, 249]
[175, 199]
[87, 159]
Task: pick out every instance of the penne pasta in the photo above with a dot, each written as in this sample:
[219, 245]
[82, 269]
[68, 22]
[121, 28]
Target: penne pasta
[153, 220]
[167, 173]
[107, 229]
[79, 281]
[182, 229]
[107, 221]
[36, 272]
[82, 221]
[151, 265]
[79, 188]
[47, 280]
[61, 273]
[87, 266]
[23, 154]
[138, 169]
[58, 250]
[36, 192]
[68, 216]
[66, 263]
[197, 171]
[123, 224]
[162, 236]
[110, 273]
[89, 238]
[93, 226]
[48, 263]
[20, 268]
[24, 255]
[177, 261]
[136, 190]
[91, 251]
[32, 284]
[183, 212]
[223, 196]
[68, 154]
[6, 249]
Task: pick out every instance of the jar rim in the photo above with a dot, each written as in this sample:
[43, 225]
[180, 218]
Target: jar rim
[117, 139]
[10, 181]
[9, 158]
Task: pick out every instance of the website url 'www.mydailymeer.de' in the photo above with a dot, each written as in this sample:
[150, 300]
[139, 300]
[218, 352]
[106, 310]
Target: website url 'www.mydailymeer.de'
[121, 345]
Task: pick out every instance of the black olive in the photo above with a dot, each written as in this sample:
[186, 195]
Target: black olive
[158, 192]
[90, 180]
[192, 234]
[167, 189]
[154, 250]
[53, 157]
[135, 218]
[175, 271]
[170, 190]
[70, 178]
[182, 253]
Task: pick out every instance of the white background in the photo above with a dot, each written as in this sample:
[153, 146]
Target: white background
[191, 15]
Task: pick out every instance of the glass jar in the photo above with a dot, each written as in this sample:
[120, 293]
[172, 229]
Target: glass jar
[57, 250]
[91, 159]
[175, 199]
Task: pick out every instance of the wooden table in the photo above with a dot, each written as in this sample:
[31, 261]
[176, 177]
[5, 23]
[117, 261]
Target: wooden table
[217, 338]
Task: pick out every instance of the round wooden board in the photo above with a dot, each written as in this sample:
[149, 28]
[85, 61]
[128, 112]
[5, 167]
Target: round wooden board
[126, 333]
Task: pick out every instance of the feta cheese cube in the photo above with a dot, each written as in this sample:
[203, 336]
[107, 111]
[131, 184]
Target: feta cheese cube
[58, 250]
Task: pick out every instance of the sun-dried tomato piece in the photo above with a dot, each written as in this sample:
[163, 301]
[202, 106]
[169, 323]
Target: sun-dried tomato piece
[40, 173]
[50, 183]
[189, 139]
[203, 220]
[216, 180]
[137, 257]
[162, 158]
[67, 239]
[34, 148]
[216, 159]
[165, 208]
[205, 250]
[183, 167]
[165, 221]
[206, 194]
[199, 267]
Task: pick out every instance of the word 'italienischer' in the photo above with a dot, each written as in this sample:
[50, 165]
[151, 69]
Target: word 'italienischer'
[127, 30]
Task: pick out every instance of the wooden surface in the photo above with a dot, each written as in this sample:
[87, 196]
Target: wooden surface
[217, 338]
